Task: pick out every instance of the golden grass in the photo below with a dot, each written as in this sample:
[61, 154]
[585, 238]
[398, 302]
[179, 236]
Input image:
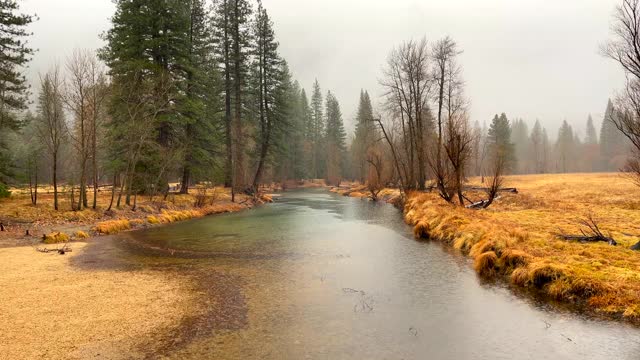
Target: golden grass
[516, 237]
[81, 235]
[56, 238]
[113, 226]
[51, 310]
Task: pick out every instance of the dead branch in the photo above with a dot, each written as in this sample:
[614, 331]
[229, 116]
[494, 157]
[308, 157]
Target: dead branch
[590, 232]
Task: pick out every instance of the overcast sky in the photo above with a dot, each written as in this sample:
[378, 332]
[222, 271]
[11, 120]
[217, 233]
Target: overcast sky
[529, 59]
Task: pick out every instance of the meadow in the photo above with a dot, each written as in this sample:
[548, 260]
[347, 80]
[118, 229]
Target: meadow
[518, 237]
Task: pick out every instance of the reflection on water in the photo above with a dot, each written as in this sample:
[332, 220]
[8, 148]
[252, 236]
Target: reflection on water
[320, 276]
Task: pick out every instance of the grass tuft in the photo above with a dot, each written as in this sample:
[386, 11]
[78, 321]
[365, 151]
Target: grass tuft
[113, 226]
[56, 238]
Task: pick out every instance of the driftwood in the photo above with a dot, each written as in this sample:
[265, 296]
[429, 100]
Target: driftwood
[486, 189]
[590, 233]
[61, 251]
[480, 204]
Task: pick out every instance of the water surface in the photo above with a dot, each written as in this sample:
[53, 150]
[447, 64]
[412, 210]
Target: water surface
[320, 276]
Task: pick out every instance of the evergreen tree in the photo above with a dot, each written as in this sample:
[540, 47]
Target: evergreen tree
[565, 147]
[499, 140]
[591, 152]
[335, 141]
[307, 134]
[13, 85]
[591, 136]
[273, 83]
[148, 55]
[200, 109]
[519, 137]
[364, 136]
[316, 129]
[613, 143]
[546, 151]
[537, 148]
[232, 39]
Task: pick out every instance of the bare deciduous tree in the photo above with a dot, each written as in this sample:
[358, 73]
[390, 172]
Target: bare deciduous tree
[51, 126]
[625, 49]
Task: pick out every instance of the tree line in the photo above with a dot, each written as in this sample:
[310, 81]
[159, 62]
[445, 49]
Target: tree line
[183, 91]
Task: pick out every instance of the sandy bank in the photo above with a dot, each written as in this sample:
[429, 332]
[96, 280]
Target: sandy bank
[49, 309]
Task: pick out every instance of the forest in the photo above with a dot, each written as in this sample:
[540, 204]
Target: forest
[196, 93]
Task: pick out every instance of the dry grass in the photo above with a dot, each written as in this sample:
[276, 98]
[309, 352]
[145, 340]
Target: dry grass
[516, 237]
[20, 215]
[50, 310]
[56, 238]
[112, 226]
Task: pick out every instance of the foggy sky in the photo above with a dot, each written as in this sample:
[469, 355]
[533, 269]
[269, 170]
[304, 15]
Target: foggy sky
[530, 59]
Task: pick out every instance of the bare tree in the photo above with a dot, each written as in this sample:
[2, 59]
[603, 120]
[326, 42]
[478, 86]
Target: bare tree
[51, 126]
[76, 99]
[445, 76]
[625, 49]
[406, 83]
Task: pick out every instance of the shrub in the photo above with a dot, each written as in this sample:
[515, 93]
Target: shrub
[56, 238]
[4, 191]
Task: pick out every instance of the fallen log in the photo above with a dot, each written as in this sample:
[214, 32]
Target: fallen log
[479, 188]
[587, 239]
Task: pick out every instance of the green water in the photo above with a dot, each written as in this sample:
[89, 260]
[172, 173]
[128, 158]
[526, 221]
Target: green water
[319, 276]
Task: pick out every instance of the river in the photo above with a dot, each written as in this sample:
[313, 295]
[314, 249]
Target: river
[320, 276]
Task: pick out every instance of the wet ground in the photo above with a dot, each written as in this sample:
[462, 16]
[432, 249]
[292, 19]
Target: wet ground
[320, 276]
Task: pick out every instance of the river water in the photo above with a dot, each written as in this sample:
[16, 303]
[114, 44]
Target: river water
[320, 276]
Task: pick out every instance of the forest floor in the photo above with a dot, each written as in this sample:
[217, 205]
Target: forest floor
[517, 237]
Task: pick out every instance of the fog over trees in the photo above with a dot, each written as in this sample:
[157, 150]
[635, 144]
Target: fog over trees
[197, 92]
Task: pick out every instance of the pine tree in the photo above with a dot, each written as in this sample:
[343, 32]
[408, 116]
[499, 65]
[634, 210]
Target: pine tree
[565, 147]
[613, 143]
[591, 153]
[232, 39]
[364, 136]
[273, 81]
[537, 148]
[335, 141]
[200, 109]
[519, 137]
[316, 129]
[499, 140]
[14, 90]
[147, 53]
[591, 136]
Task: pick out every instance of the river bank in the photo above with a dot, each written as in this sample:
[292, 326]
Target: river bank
[50, 309]
[517, 238]
[55, 310]
[26, 224]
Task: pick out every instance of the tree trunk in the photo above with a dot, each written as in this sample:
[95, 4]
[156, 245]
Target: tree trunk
[186, 178]
[113, 191]
[55, 180]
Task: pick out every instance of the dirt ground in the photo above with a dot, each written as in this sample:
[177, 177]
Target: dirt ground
[52, 310]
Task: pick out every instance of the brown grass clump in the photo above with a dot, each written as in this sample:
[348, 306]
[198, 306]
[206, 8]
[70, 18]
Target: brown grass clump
[151, 219]
[113, 226]
[81, 235]
[486, 264]
[56, 238]
[516, 237]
